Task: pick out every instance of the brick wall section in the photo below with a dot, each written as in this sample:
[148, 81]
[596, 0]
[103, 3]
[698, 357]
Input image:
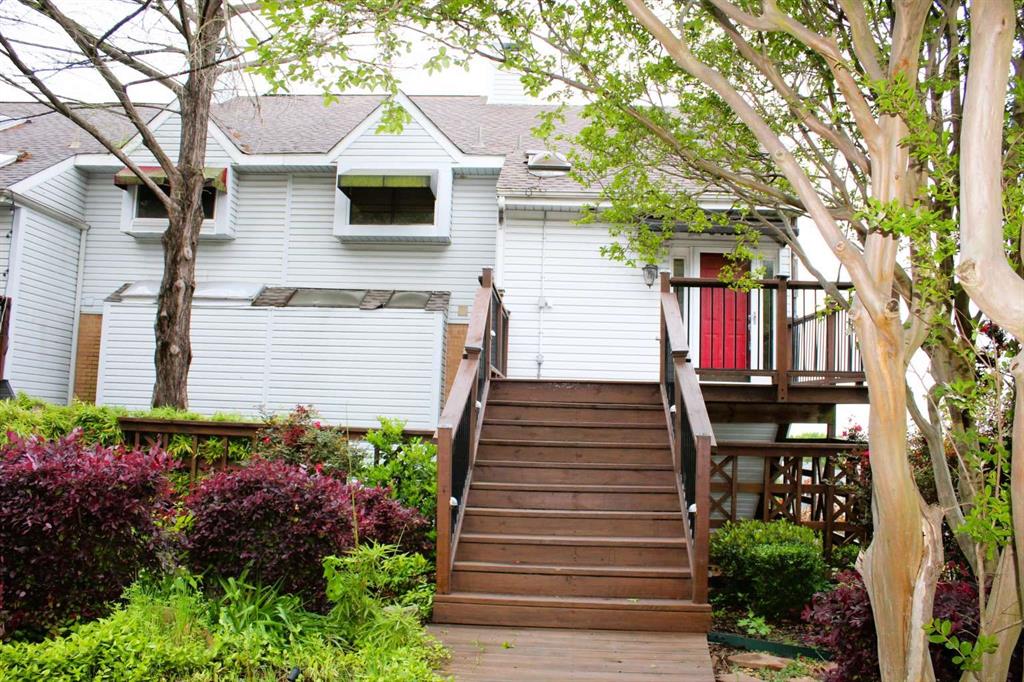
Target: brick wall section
[87, 356]
[455, 342]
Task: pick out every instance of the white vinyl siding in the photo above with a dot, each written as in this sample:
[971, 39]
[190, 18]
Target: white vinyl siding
[317, 259]
[6, 237]
[274, 208]
[255, 255]
[168, 135]
[64, 192]
[414, 143]
[352, 365]
[749, 469]
[602, 321]
[39, 360]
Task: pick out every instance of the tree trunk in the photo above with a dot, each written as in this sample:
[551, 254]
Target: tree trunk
[174, 310]
[902, 563]
[1002, 620]
[185, 215]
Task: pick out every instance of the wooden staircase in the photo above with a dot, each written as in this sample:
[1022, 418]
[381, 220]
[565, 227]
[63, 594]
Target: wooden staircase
[573, 515]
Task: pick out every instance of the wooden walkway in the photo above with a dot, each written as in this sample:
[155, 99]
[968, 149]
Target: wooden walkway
[508, 654]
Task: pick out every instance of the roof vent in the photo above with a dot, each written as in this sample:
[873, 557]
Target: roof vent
[7, 159]
[546, 164]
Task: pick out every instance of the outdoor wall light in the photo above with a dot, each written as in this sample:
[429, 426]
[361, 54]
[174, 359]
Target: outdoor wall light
[650, 274]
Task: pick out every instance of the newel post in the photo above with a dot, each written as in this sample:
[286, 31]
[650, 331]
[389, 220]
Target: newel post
[445, 436]
[783, 342]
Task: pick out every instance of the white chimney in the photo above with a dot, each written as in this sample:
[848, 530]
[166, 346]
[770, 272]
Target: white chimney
[505, 87]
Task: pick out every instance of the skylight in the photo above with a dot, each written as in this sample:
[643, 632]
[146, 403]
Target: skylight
[546, 164]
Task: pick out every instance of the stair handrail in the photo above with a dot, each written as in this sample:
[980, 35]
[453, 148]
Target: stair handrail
[690, 436]
[484, 356]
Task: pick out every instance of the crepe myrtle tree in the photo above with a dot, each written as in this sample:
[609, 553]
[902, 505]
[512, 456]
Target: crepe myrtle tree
[851, 114]
[189, 48]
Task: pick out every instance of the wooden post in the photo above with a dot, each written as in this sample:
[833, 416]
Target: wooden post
[783, 342]
[445, 437]
[702, 520]
[830, 347]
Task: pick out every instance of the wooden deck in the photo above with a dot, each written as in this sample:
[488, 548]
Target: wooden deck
[503, 654]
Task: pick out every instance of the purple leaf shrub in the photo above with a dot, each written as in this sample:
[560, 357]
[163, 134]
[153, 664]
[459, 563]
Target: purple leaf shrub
[77, 525]
[278, 521]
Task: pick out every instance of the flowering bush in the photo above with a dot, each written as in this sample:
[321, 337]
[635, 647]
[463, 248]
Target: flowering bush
[846, 628]
[300, 438]
[278, 521]
[77, 525]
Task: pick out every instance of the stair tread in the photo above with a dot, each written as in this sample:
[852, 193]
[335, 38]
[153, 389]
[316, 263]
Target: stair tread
[574, 513]
[528, 464]
[557, 569]
[574, 540]
[619, 603]
[526, 442]
[574, 405]
[562, 423]
[574, 487]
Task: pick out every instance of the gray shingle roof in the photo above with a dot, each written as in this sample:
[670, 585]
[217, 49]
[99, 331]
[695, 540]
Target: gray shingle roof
[46, 138]
[304, 124]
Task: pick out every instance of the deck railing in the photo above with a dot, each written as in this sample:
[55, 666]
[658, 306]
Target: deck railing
[788, 331]
[196, 441]
[458, 430]
[690, 436]
[807, 482]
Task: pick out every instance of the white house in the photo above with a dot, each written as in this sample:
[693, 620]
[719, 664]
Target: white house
[337, 266]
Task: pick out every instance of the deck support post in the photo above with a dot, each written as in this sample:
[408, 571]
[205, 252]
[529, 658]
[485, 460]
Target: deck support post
[783, 342]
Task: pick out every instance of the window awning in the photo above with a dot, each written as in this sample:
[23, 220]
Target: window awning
[384, 181]
[215, 177]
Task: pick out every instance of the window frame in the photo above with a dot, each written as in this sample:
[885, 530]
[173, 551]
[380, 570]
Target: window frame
[438, 232]
[220, 227]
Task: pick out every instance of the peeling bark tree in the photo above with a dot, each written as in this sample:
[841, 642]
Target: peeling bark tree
[985, 267]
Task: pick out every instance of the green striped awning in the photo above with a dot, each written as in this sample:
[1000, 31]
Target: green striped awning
[215, 177]
[384, 181]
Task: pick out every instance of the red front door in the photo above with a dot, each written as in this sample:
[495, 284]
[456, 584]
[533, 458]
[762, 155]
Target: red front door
[724, 321]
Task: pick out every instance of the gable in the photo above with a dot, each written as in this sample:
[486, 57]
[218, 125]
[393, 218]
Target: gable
[168, 134]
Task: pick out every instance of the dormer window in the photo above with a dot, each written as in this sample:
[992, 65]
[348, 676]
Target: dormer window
[392, 206]
[149, 205]
[389, 199]
[144, 215]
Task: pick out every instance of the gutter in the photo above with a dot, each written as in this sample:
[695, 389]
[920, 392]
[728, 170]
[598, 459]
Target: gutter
[11, 198]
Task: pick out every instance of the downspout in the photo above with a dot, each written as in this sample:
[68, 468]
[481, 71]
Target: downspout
[542, 302]
[75, 321]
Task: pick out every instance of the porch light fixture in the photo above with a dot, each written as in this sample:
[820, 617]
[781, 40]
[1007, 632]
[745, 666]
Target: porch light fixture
[650, 274]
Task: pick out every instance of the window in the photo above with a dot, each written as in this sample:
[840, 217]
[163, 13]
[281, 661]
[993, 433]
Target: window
[389, 199]
[147, 205]
[391, 205]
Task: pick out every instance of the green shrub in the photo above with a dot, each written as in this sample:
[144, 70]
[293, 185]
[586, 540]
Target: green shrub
[772, 568]
[407, 466]
[844, 557]
[171, 630]
[26, 416]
